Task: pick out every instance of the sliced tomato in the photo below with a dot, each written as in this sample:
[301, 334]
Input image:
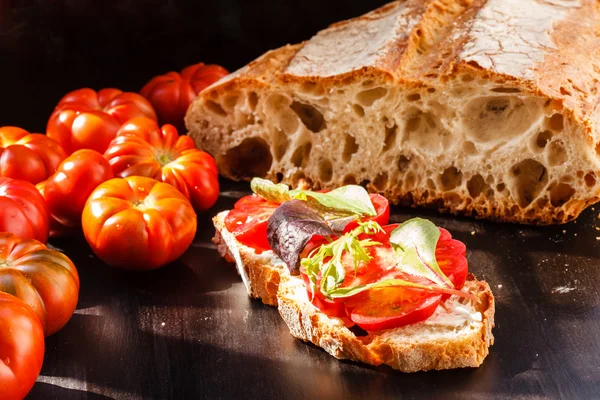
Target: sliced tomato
[331, 307]
[451, 257]
[388, 308]
[248, 221]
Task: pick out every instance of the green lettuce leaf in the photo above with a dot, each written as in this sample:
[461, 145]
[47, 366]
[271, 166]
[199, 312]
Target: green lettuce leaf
[344, 201]
[277, 193]
[415, 242]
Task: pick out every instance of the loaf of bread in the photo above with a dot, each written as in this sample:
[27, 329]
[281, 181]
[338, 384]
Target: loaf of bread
[457, 335]
[488, 108]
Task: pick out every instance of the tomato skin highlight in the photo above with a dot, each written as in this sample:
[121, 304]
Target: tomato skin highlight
[86, 119]
[21, 347]
[23, 210]
[45, 279]
[172, 93]
[30, 157]
[68, 189]
[138, 223]
[141, 148]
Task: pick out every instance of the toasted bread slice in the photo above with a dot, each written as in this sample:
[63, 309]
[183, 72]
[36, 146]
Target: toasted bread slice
[457, 335]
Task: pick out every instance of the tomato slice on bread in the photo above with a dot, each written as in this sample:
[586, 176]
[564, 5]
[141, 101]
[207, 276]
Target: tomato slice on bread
[248, 219]
[390, 307]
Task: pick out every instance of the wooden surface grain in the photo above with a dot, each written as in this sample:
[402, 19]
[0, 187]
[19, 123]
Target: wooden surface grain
[189, 330]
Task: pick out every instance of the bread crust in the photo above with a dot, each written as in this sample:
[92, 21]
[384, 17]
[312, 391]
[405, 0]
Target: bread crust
[546, 49]
[266, 278]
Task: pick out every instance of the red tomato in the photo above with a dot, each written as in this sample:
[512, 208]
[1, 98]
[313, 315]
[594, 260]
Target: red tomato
[248, 221]
[56, 228]
[45, 279]
[69, 188]
[388, 308]
[23, 210]
[141, 148]
[171, 94]
[84, 119]
[138, 223]
[30, 157]
[21, 348]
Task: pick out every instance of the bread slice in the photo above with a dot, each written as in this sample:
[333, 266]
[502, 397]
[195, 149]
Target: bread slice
[488, 108]
[457, 335]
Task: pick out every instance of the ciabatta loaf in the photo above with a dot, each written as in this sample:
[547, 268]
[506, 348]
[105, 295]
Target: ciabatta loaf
[488, 108]
[457, 335]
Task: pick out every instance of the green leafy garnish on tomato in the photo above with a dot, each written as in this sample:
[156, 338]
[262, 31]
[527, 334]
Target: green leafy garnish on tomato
[345, 200]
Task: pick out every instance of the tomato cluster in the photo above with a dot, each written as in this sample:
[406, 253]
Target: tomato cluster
[106, 168]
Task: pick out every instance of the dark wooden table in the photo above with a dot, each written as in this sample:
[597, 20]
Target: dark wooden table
[189, 330]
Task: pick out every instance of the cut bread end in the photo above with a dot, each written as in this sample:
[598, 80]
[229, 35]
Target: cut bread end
[457, 335]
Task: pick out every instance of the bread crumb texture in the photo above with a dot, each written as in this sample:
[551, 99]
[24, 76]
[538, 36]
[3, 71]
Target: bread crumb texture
[485, 108]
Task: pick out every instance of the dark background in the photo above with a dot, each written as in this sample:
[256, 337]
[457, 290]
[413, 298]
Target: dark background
[188, 330]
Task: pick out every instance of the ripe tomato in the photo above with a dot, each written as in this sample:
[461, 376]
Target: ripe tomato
[138, 223]
[388, 308]
[45, 279]
[69, 188]
[171, 94]
[23, 210]
[392, 307]
[141, 148]
[84, 119]
[56, 228]
[30, 157]
[248, 221]
[21, 348]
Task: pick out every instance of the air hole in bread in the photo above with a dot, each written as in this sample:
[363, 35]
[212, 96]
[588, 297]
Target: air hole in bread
[560, 194]
[469, 148]
[467, 78]
[431, 184]
[413, 97]
[358, 110]
[530, 178]
[368, 82]
[350, 147]
[230, 101]
[366, 98]
[349, 180]
[250, 158]
[403, 163]
[424, 131]
[301, 155]
[325, 171]
[288, 121]
[312, 89]
[215, 108]
[431, 90]
[543, 138]
[500, 187]
[409, 181]
[556, 154]
[280, 144]
[279, 177]
[542, 202]
[506, 90]
[450, 178]
[490, 119]
[381, 181]
[476, 185]
[252, 100]
[557, 122]
[390, 137]
[310, 116]
[590, 179]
